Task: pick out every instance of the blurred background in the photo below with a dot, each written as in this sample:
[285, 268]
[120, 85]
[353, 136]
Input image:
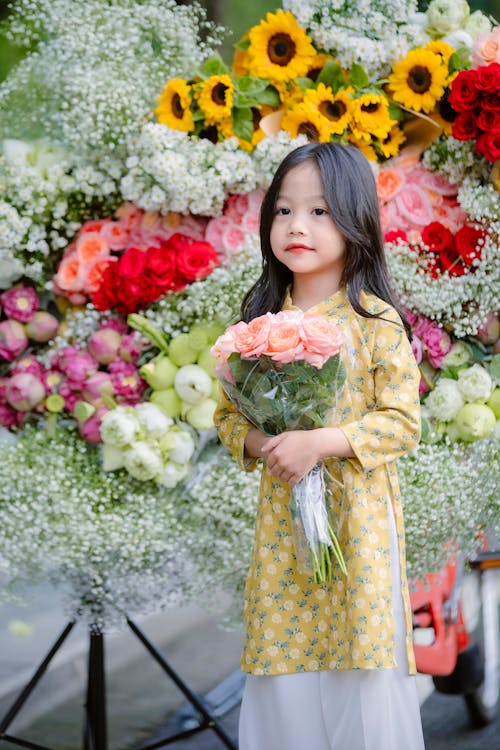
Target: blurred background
[237, 16]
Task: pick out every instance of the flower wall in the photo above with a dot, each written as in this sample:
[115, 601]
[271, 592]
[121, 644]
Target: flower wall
[129, 235]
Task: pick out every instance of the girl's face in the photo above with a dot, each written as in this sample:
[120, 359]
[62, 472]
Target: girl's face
[304, 236]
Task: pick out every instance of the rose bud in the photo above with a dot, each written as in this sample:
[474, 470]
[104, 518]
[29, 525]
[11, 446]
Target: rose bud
[42, 326]
[104, 344]
[90, 429]
[490, 330]
[13, 340]
[24, 391]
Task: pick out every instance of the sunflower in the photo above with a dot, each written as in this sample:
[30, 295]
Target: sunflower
[365, 148]
[174, 105]
[316, 65]
[306, 120]
[289, 92]
[391, 143]
[215, 98]
[370, 117]
[440, 47]
[335, 108]
[279, 48]
[418, 81]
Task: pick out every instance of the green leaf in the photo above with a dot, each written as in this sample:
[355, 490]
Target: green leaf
[214, 66]
[243, 122]
[332, 75]
[242, 45]
[395, 111]
[454, 63]
[495, 366]
[305, 83]
[359, 78]
[198, 114]
[270, 97]
[451, 372]
[250, 85]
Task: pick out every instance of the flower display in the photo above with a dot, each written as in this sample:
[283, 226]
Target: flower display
[129, 234]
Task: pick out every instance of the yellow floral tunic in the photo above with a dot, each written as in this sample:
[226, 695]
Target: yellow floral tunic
[296, 625]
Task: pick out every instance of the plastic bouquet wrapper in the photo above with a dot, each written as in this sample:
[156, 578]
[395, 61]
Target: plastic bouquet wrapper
[283, 372]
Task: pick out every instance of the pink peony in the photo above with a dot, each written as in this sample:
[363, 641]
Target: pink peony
[90, 429]
[77, 365]
[10, 418]
[437, 343]
[28, 363]
[127, 382]
[42, 327]
[417, 348]
[103, 345]
[131, 347]
[117, 324]
[96, 385]
[70, 395]
[13, 340]
[24, 391]
[20, 303]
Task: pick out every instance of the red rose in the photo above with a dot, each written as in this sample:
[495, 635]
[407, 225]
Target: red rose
[104, 298]
[489, 121]
[450, 262]
[437, 237]
[491, 101]
[464, 127]
[488, 145]
[135, 294]
[488, 78]
[195, 259]
[464, 94]
[131, 264]
[467, 241]
[393, 235]
[161, 267]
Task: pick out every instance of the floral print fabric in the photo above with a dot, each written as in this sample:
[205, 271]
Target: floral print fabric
[295, 625]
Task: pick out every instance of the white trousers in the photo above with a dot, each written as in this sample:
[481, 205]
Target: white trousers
[357, 709]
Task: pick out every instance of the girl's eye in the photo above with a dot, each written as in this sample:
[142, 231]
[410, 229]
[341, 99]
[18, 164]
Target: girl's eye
[282, 211]
[320, 211]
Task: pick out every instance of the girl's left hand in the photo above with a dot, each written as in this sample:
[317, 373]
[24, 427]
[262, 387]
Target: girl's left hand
[291, 455]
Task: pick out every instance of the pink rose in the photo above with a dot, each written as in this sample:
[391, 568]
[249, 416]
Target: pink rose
[320, 336]
[20, 303]
[235, 206]
[413, 203]
[225, 344]
[438, 184]
[232, 237]
[255, 198]
[214, 230]
[284, 343]
[130, 216]
[252, 340]
[486, 48]
[250, 222]
[24, 391]
[115, 235]
[13, 340]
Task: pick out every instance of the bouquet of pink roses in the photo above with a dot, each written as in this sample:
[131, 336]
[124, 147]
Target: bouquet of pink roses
[283, 372]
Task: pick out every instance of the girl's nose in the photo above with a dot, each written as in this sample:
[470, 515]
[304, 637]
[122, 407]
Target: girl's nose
[296, 225]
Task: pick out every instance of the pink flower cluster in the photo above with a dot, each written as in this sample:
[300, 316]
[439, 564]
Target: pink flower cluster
[240, 217]
[430, 343]
[23, 322]
[82, 380]
[285, 337]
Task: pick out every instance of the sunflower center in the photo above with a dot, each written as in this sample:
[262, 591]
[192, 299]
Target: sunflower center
[313, 73]
[177, 108]
[445, 109]
[281, 49]
[219, 94]
[308, 129]
[332, 110]
[210, 133]
[370, 108]
[419, 79]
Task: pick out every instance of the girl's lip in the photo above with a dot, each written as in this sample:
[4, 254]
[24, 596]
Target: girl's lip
[297, 248]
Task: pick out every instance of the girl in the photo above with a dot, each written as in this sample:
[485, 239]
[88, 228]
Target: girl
[329, 664]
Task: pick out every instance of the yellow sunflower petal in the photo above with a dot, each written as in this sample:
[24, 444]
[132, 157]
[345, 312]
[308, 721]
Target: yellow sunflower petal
[279, 48]
[215, 98]
[440, 47]
[174, 105]
[370, 117]
[417, 82]
[335, 108]
[365, 148]
[306, 120]
[391, 144]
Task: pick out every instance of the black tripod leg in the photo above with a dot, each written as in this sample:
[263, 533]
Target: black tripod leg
[28, 689]
[95, 734]
[210, 721]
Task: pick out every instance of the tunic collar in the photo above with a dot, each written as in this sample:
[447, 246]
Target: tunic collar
[337, 298]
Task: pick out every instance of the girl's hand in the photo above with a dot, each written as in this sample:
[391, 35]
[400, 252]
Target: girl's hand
[291, 455]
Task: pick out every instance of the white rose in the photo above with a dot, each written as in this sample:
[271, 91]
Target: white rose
[173, 473]
[142, 461]
[458, 39]
[192, 383]
[119, 427]
[447, 15]
[477, 23]
[445, 401]
[458, 355]
[475, 384]
[201, 416]
[152, 419]
[182, 446]
[112, 457]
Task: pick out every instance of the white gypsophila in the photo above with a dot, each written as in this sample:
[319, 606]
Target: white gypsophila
[372, 33]
[217, 298]
[169, 171]
[270, 152]
[120, 426]
[475, 383]
[450, 493]
[14, 230]
[455, 159]
[462, 303]
[479, 201]
[90, 83]
[115, 545]
[445, 400]
[447, 15]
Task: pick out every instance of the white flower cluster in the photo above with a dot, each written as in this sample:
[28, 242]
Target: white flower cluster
[371, 33]
[51, 201]
[169, 171]
[216, 299]
[479, 201]
[454, 159]
[463, 501]
[114, 543]
[97, 67]
[270, 152]
[459, 302]
[14, 229]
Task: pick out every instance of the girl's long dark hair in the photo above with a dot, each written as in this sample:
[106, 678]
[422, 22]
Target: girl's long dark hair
[351, 196]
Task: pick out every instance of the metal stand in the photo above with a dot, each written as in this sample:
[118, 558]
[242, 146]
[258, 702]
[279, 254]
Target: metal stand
[95, 723]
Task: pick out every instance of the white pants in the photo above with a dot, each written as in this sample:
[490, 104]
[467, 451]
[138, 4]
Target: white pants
[357, 709]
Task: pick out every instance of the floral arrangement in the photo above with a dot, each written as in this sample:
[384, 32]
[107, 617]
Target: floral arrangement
[129, 236]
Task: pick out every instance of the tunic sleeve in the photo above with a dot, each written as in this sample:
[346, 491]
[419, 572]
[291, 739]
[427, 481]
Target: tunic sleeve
[392, 428]
[233, 428]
